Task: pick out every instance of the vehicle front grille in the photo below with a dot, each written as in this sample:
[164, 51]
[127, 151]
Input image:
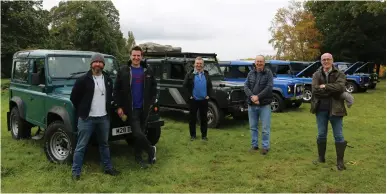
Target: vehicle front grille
[237, 95]
[366, 79]
[298, 89]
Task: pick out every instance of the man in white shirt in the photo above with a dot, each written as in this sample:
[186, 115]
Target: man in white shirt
[91, 97]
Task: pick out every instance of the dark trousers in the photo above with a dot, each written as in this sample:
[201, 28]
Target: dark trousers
[141, 142]
[202, 105]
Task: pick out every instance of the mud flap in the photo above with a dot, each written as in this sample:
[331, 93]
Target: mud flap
[8, 124]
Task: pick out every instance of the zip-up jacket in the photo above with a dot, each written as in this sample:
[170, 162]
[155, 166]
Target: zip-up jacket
[260, 84]
[189, 83]
[123, 90]
[83, 92]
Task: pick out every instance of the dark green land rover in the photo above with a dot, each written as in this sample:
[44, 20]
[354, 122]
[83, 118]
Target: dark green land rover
[39, 96]
[170, 69]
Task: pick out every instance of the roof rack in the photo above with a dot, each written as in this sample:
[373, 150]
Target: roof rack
[178, 54]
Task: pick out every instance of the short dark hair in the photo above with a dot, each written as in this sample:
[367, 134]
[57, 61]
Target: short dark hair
[136, 48]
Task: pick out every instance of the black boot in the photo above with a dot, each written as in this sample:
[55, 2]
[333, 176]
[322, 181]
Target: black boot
[321, 147]
[340, 149]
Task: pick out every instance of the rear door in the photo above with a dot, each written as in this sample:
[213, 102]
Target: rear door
[20, 84]
[172, 92]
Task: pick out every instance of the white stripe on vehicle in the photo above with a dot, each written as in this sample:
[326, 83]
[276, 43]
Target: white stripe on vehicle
[176, 96]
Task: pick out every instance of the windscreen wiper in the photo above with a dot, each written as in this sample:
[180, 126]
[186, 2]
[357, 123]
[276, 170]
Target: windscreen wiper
[76, 73]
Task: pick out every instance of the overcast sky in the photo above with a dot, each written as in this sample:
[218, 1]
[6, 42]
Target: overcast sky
[232, 29]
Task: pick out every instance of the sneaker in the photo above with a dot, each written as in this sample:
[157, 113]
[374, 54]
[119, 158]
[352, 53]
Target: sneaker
[152, 155]
[112, 172]
[75, 177]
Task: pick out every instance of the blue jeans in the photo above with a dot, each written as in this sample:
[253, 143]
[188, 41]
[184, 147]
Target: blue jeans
[101, 126]
[264, 113]
[322, 118]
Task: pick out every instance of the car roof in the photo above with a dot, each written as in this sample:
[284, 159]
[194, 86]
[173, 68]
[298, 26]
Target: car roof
[43, 53]
[236, 63]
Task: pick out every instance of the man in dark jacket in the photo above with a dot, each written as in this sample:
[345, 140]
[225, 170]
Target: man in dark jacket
[199, 86]
[135, 92]
[258, 89]
[328, 84]
[91, 97]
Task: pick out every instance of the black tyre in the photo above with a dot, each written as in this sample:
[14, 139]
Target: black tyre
[59, 144]
[214, 115]
[351, 87]
[307, 97]
[19, 128]
[153, 135]
[277, 104]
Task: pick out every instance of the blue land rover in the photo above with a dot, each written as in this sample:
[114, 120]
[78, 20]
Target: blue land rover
[286, 92]
[360, 79]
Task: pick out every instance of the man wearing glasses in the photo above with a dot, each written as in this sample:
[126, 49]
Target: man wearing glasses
[328, 84]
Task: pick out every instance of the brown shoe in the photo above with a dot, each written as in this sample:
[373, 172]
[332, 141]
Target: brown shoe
[264, 151]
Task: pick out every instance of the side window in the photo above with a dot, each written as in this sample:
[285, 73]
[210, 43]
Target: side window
[283, 69]
[20, 71]
[342, 67]
[156, 69]
[38, 67]
[177, 71]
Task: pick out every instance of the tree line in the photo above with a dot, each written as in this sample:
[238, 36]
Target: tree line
[350, 30]
[71, 25]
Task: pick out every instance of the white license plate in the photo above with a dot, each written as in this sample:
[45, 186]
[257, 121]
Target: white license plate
[298, 97]
[121, 130]
[366, 84]
[375, 82]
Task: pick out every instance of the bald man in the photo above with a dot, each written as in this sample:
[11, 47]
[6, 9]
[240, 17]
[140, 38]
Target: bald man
[328, 84]
[258, 89]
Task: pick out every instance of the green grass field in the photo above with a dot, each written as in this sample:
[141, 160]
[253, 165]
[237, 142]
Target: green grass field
[223, 164]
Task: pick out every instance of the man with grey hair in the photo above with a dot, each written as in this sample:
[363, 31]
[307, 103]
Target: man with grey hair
[199, 85]
[328, 85]
[258, 88]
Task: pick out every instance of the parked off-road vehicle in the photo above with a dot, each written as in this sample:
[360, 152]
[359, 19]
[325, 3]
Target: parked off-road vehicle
[359, 69]
[170, 69]
[287, 92]
[39, 96]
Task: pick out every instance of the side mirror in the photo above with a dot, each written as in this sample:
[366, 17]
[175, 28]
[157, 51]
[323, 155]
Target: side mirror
[35, 79]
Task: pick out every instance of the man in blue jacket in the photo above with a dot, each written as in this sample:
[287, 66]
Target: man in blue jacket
[258, 89]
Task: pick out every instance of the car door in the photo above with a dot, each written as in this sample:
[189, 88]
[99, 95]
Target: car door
[172, 92]
[37, 106]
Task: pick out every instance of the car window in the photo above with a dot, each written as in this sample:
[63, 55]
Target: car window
[20, 71]
[177, 71]
[342, 67]
[38, 67]
[65, 66]
[283, 69]
[156, 70]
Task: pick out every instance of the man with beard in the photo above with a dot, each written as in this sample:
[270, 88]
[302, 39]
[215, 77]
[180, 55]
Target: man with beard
[328, 84]
[91, 97]
[135, 92]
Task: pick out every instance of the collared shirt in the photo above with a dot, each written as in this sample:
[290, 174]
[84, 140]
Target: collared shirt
[200, 86]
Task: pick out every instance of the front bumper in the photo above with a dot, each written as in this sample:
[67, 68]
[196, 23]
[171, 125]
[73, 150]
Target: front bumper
[240, 107]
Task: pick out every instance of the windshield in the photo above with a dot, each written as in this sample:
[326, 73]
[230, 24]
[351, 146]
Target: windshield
[64, 67]
[297, 67]
[211, 66]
